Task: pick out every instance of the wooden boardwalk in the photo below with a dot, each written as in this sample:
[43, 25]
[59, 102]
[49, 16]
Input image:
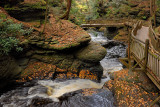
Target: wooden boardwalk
[142, 52]
[143, 48]
[143, 33]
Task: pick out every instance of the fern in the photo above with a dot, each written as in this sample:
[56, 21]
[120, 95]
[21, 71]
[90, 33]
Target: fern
[7, 44]
[8, 33]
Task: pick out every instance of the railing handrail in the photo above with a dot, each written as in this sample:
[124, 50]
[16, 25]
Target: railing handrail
[155, 39]
[155, 35]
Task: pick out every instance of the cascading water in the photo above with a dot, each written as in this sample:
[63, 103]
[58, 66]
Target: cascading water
[114, 50]
[68, 93]
[48, 93]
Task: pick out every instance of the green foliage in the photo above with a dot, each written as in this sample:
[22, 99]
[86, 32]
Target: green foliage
[93, 10]
[158, 3]
[8, 28]
[109, 11]
[76, 13]
[2, 16]
[7, 44]
[8, 33]
[144, 17]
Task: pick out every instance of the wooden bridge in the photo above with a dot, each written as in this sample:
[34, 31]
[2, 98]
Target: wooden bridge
[141, 50]
[107, 23]
[104, 25]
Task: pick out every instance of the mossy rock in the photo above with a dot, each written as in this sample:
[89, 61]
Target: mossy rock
[94, 52]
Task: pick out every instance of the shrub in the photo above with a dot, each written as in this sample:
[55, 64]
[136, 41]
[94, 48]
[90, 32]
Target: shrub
[7, 44]
[8, 33]
[8, 28]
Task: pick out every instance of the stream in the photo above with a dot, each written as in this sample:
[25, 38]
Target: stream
[70, 93]
[114, 50]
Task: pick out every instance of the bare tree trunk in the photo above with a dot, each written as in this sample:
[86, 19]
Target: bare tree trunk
[154, 4]
[151, 8]
[46, 14]
[66, 15]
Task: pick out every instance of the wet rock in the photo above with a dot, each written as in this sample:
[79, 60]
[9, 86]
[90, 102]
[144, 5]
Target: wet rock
[112, 43]
[92, 53]
[40, 102]
[102, 98]
[80, 98]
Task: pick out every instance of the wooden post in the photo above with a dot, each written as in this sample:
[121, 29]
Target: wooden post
[146, 54]
[129, 48]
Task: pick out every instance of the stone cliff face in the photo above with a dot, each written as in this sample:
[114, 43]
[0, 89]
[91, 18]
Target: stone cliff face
[63, 51]
[22, 9]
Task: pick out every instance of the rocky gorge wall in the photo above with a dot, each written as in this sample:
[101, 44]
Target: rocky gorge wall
[63, 51]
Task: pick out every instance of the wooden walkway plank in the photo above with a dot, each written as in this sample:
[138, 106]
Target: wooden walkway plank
[104, 25]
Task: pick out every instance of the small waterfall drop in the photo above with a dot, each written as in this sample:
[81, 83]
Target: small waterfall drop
[110, 63]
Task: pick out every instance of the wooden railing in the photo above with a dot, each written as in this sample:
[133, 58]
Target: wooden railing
[155, 39]
[145, 56]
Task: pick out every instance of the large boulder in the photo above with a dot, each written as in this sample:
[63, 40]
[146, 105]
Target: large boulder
[61, 36]
[94, 52]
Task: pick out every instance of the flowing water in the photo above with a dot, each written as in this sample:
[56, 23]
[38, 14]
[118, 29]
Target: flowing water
[110, 63]
[69, 93]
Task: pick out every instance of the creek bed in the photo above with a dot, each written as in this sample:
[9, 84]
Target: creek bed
[70, 93]
[114, 50]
